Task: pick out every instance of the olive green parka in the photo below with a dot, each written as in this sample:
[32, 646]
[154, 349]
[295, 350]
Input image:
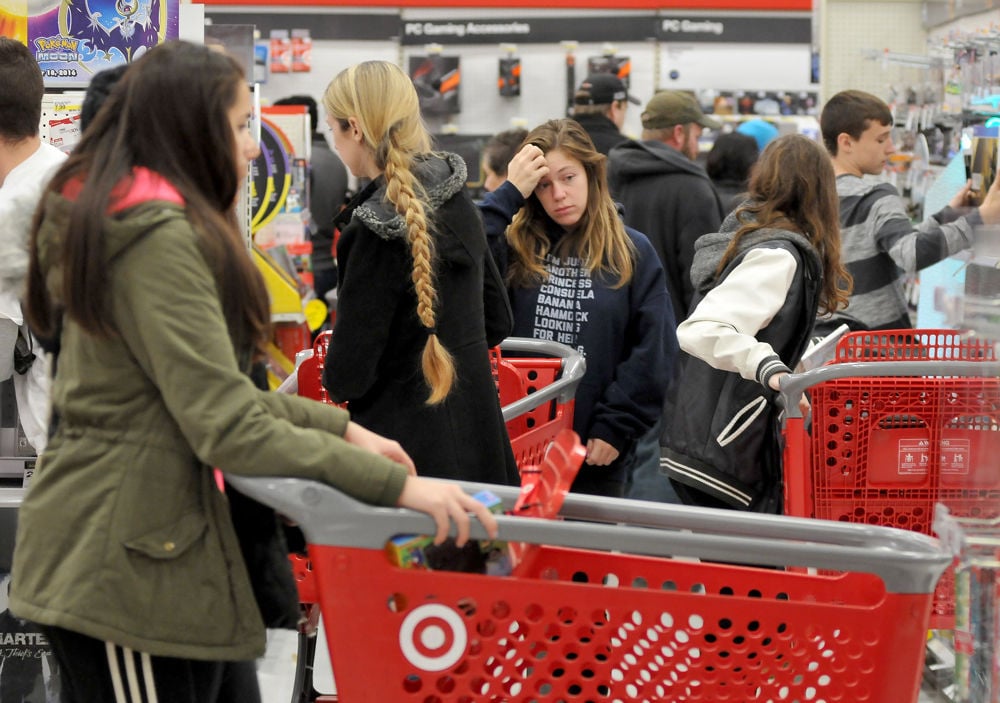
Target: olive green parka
[123, 534]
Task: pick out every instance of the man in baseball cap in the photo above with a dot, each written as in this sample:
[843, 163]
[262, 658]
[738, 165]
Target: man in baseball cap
[669, 198]
[599, 106]
[666, 195]
[679, 116]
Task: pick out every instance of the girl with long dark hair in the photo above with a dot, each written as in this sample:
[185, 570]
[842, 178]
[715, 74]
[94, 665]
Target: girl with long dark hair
[126, 553]
[759, 284]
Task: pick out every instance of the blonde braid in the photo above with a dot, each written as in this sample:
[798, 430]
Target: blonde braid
[437, 363]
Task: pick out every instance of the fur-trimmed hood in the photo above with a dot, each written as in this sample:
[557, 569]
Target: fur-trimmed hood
[441, 175]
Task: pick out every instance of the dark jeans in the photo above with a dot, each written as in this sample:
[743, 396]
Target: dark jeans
[644, 480]
[599, 487]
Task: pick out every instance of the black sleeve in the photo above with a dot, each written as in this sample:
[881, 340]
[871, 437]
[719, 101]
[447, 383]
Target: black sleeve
[702, 214]
[374, 279]
[496, 304]
[498, 209]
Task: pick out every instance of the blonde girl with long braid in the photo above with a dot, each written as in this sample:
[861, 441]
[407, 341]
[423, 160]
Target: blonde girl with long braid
[420, 300]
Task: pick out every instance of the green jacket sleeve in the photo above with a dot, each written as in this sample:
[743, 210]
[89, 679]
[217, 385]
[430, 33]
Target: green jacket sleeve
[306, 412]
[172, 322]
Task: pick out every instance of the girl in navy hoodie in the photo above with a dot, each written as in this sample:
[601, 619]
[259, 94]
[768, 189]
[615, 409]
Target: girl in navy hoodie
[576, 275]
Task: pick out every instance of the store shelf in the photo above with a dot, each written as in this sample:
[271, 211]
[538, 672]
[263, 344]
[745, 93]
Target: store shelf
[286, 301]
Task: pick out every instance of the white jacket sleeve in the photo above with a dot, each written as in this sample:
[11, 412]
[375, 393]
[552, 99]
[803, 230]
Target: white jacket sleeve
[722, 329]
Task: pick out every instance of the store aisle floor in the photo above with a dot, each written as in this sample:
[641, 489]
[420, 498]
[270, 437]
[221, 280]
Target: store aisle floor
[276, 670]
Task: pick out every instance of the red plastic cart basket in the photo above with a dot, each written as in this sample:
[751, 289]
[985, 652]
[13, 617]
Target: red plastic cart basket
[902, 420]
[537, 383]
[536, 380]
[603, 612]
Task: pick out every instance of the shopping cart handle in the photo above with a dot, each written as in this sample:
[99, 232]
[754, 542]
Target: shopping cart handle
[563, 389]
[793, 385]
[906, 562]
[642, 513]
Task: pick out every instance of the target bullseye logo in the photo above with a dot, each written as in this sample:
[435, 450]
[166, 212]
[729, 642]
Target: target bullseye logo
[433, 637]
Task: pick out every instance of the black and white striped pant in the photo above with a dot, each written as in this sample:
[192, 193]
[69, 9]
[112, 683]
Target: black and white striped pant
[92, 671]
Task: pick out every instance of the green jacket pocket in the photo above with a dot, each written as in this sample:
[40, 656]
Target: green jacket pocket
[171, 541]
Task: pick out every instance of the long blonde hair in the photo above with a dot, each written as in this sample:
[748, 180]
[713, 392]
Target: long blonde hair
[599, 238]
[384, 102]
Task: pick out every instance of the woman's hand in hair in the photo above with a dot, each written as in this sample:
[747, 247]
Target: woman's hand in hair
[389, 448]
[527, 168]
[446, 503]
[600, 453]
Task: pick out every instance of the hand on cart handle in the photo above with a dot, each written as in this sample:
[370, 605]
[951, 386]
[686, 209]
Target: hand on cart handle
[446, 502]
[390, 449]
[775, 383]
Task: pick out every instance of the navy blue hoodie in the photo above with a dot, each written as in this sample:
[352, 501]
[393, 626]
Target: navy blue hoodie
[626, 334]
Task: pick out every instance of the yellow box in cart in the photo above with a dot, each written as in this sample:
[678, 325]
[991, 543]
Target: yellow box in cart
[420, 552]
[407, 551]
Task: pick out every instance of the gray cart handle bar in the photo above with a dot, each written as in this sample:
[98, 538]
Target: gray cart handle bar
[563, 388]
[907, 562]
[793, 385]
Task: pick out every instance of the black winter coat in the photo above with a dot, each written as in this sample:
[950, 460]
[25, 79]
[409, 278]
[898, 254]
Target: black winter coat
[671, 200]
[720, 430]
[374, 359]
[602, 131]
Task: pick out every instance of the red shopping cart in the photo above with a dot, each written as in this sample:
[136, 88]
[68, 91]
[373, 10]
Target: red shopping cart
[612, 607]
[901, 420]
[536, 381]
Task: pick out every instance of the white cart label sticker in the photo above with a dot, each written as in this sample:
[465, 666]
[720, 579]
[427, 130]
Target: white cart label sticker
[433, 637]
[914, 457]
[955, 456]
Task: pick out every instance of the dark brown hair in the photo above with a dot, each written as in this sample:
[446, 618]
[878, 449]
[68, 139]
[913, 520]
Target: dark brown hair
[500, 149]
[793, 187]
[851, 112]
[21, 97]
[731, 158]
[170, 114]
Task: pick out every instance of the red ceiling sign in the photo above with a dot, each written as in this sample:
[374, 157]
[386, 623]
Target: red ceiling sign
[699, 5]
